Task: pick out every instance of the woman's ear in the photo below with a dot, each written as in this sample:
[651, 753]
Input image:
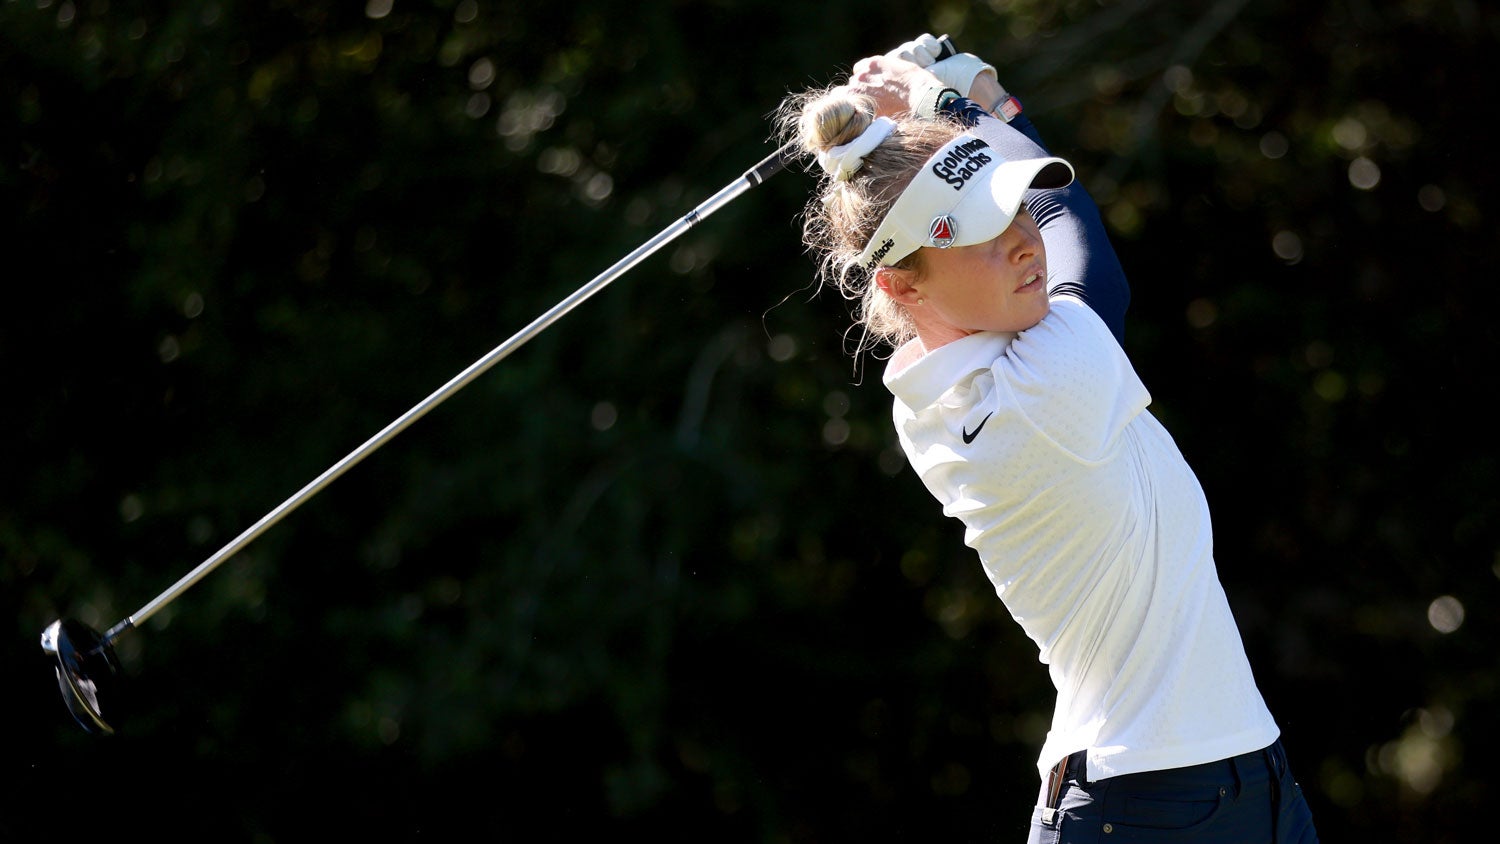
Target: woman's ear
[899, 284]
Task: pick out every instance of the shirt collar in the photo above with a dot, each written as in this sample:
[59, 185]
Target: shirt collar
[923, 381]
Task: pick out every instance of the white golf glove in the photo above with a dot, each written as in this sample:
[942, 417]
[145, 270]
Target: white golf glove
[921, 51]
[959, 72]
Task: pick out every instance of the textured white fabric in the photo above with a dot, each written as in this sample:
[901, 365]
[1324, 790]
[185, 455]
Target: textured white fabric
[1095, 533]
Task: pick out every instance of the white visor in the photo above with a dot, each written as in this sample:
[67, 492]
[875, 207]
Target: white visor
[965, 194]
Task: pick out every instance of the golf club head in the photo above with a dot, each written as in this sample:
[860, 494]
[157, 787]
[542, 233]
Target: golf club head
[87, 673]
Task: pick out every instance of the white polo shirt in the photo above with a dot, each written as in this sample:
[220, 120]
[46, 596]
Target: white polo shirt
[1095, 533]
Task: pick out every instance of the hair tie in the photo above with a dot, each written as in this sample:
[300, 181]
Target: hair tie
[842, 162]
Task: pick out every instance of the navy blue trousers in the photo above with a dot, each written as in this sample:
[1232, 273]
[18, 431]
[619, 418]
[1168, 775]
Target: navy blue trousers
[1249, 799]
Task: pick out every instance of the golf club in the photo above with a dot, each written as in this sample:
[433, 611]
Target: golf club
[87, 670]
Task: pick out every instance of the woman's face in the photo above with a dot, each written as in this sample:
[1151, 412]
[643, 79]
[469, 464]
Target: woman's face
[1000, 285]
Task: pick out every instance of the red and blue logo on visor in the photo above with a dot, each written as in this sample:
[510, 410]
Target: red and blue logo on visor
[940, 233]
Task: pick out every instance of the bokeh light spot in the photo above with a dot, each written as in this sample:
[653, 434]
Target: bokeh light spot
[1287, 246]
[1445, 614]
[603, 416]
[1364, 173]
[1431, 198]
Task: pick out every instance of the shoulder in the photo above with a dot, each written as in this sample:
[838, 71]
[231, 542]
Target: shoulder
[1071, 328]
[1071, 378]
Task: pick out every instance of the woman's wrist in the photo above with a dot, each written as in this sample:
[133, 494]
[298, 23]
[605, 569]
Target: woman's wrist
[929, 102]
[992, 96]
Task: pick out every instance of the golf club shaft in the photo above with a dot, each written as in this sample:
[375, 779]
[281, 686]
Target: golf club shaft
[769, 166]
[757, 175]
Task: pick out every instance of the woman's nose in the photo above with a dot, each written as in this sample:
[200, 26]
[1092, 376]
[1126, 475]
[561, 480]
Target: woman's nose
[1026, 243]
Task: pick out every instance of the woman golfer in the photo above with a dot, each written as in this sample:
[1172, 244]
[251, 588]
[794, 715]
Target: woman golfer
[974, 256]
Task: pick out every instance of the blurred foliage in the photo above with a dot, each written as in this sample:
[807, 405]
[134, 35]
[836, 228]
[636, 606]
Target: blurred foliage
[664, 571]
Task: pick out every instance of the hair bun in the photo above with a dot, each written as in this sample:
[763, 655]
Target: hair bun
[835, 119]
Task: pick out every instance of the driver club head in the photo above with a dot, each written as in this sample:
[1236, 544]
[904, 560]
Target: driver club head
[87, 672]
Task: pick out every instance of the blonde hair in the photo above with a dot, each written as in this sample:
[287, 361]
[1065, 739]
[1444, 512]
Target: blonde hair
[843, 214]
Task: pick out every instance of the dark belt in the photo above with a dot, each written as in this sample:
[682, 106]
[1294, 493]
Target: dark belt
[1057, 776]
[1273, 756]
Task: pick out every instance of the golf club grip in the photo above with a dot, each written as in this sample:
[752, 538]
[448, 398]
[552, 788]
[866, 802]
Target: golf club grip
[777, 161]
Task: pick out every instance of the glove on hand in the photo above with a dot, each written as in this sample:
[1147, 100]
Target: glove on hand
[921, 51]
[959, 72]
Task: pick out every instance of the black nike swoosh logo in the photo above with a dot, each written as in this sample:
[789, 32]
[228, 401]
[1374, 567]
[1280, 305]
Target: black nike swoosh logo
[968, 437]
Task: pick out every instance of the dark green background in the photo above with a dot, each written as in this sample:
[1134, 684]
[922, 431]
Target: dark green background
[662, 572]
